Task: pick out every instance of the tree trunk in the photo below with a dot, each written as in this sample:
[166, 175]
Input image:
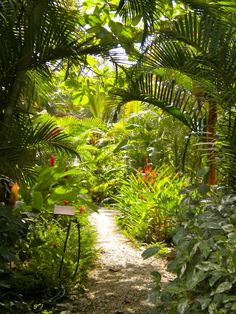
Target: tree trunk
[212, 119]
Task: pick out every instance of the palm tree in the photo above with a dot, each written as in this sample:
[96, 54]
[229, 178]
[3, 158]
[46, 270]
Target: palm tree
[36, 38]
[199, 45]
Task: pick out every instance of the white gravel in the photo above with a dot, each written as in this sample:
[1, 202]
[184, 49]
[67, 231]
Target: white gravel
[121, 281]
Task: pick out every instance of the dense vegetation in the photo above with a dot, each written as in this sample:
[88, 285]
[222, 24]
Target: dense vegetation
[128, 104]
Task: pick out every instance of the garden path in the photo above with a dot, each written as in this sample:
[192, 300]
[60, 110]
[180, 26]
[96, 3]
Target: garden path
[121, 282]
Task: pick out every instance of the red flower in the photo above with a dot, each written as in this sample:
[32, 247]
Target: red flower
[162, 226]
[52, 160]
[81, 210]
[66, 202]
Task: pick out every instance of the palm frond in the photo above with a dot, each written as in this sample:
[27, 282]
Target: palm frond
[34, 35]
[203, 48]
[36, 90]
[213, 39]
[22, 142]
[225, 8]
[149, 10]
[167, 95]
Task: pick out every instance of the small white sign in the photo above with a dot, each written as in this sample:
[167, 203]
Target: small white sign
[64, 210]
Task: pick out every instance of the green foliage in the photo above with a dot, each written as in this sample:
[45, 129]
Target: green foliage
[22, 141]
[158, 136]
[196, 43]
[205, 264]
[166, 95]
[13, 230]
[32, 243]
[149, 210]
[37, 278]
[188, 62]
[59, 184]
[100, 168]
[156, 249]
[34, 277]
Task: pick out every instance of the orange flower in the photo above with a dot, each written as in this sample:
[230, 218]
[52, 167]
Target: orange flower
[148, 173]
[81, 210]
[14, 194]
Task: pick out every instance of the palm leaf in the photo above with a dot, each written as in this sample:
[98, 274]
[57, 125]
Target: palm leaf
[167, 95]
[214, 79]
[22, 143]
[34, 35]
[212, 38]
[149, 10]
[225, 8]
[204, 48]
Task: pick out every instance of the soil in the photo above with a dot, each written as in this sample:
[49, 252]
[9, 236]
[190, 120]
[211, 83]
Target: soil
[121, 282]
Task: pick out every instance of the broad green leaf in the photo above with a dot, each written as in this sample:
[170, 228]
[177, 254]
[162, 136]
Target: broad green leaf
[202, 172]
[195, 278]
[214, 278]
[183, 306]
[205, 266]
[204, 189]
[224, 286]
[151, 251]
[204, 301]
[60, 191]
[156, 276]
[229, 228]
[229, 298]
[204, 248]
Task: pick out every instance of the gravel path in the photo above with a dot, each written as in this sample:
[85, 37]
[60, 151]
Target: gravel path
[121, 281]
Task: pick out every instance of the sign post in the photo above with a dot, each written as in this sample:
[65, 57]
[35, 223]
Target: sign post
[66, 211]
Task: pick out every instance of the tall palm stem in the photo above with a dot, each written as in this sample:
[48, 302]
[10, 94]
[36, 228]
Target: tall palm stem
[212, 120]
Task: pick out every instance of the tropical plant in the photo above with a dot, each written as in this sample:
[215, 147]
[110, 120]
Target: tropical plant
[36, 259]
[34, 36]
[22, 143]
[149, 203]
[33, 239]
[205, 261]
[158, 136]
[195, 49]
[37, 38]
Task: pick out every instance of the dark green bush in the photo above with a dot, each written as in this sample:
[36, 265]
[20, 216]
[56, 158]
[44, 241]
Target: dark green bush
[34, 278]
[13, 230]
[206, 261]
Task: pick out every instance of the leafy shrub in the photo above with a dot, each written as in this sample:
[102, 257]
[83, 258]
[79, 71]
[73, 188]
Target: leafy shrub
[13, 230]
[206, 261]
[35, 277]
[55, 185]
[149, 204]
[32, 242]
[45, 251]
